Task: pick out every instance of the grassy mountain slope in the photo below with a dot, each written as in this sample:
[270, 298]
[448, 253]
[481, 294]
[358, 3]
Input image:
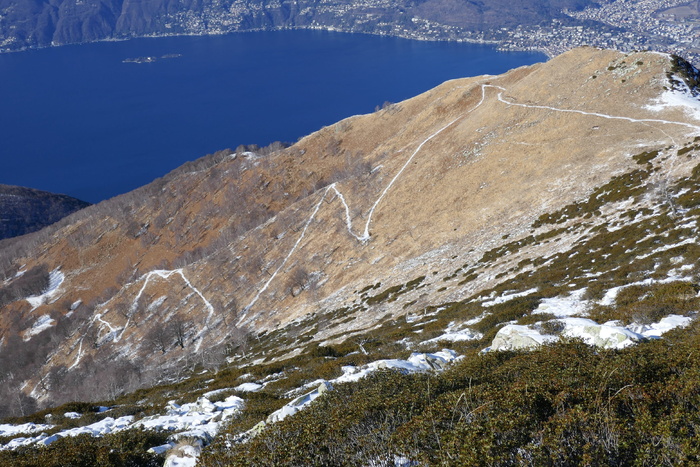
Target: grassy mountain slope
[485, 205]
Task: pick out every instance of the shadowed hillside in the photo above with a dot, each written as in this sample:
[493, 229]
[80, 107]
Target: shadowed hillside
[24, 210]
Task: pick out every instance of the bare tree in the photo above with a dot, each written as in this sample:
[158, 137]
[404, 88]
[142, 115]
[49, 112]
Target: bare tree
[178, 330]
[158, 338]
[361, 344]
[663, 191]
[239, 341]
[298, 280]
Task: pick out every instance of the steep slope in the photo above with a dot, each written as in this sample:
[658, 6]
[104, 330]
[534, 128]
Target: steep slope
[26, 210]
[430, 201]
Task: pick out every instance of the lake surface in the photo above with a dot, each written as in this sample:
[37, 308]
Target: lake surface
[79, 121]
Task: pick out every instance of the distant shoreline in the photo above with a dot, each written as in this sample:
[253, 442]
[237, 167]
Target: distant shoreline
[499, 44]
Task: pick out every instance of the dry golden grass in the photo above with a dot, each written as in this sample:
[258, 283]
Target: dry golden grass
[485, 169]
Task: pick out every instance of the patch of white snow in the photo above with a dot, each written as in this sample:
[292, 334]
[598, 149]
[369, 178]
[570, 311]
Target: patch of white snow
[248, 387]
[56, 278]
[25, 428]
[611, 295]
[460, 335]
[417, 362]
[43, 323]
[563, 307]
[508, 297]
[600, 335]
[655, 330]
[101, 428]
[677, 98]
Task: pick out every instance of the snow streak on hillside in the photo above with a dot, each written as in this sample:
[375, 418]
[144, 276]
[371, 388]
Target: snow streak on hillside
[56, 278]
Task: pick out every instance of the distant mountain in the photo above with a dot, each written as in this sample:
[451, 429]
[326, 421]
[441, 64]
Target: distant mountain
[540, 225]
[29, 23]
[25, 210]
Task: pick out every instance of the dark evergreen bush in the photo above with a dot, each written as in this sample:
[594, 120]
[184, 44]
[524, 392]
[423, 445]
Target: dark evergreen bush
[122, 449]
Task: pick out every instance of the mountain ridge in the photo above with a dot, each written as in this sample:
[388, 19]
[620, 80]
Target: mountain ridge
[53, 23]
[26, 210]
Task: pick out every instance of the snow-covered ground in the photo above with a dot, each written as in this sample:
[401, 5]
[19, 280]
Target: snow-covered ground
[682, 98]
[609, 335]
[666, 324]
[456, 335]
[611, 295]
[56, 278]
[563, 307]
[101, 428]
[570, 312]
[417, 362]
[507, 297]
[249, 387]
[25, 428]
[198, 422]
[44, 322]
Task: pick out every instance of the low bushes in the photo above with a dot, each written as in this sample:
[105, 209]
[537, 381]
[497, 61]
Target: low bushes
[566, 404]
[123, 449]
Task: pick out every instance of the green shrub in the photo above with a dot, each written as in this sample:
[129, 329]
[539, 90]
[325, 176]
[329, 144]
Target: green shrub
[513, 309]
[122, 449]
[648, 304]
[565, 404]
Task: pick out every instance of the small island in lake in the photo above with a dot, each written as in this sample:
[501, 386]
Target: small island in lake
[150, 59]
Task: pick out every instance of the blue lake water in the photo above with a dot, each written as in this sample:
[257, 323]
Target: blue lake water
[77, 120]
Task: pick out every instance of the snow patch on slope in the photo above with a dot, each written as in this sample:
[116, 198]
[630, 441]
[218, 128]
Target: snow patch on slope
[563, 307]
[249, 387]
[456, 335]
[101, 428]
[44, 322]
[611, 295]
[655, 330]
[298, 404]
[26, 428]
[199, 421]
[677, 98]
[56, 278]
[417, 362]
[609, 335]
[507, 297]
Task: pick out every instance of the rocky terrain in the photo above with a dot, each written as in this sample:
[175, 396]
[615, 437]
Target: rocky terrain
[556, 203]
